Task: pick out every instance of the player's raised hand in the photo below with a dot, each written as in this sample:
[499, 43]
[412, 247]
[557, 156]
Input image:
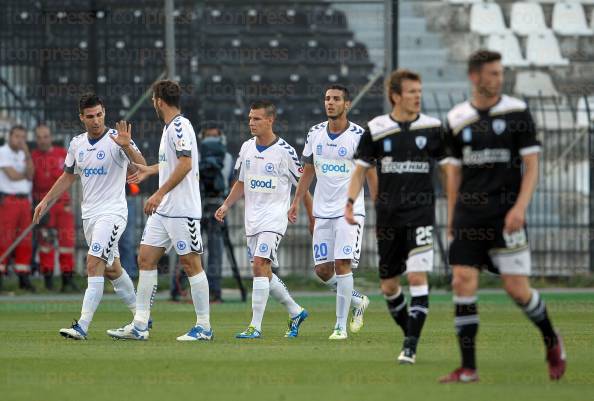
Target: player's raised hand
[142, 173]
[293, 212]
[124, 136]
[39, 211]
[221, 212]
[152, 203]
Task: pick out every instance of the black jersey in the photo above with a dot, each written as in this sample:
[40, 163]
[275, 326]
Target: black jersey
[489, 145]
[404, 154]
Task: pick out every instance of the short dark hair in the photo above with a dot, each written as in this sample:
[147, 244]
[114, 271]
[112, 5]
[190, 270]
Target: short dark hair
[168, 91]
[394, 82]
[87, 100]
[16, 128]
[267, 105]
[345, 91]
[481, 57]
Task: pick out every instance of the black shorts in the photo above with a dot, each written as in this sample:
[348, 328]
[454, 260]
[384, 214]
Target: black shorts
[486, 246]
[406, 248]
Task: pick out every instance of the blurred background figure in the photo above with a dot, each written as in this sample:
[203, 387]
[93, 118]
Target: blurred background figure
[129, 240]
[58, 224]
[16, 173]
[216, 173]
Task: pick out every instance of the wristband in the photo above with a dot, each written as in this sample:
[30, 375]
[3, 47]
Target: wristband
[350, 201]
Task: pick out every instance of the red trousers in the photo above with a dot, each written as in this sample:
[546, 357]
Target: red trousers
[15, 217]
[60, 224]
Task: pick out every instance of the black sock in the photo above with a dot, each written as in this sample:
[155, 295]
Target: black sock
[536, 311]
[397, 308]
[419, 307]
[467, 323]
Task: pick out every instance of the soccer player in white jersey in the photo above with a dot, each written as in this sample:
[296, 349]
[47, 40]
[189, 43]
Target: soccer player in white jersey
[328, 155]
[101, 157]
[174, 213]
[267, 166]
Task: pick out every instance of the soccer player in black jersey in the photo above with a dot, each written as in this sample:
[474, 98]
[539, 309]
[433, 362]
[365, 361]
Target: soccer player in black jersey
[404, 145]
[491, 175]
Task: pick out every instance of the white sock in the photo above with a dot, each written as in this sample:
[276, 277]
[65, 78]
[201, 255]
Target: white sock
[145, 295]
[344, 292]
[260, 292]
[200, 298]
[280, 292]
[124, 287]
[93, 295]
[357, 297]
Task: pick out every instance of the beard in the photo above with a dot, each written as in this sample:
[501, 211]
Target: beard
[159, 113]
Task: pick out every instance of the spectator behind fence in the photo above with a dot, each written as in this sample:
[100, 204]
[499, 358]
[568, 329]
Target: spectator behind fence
[58, 223]
[216, 170]
[16, 173]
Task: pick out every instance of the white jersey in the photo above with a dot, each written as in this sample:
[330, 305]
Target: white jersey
[267, 175]
[16, 160]
[179, 140]
[101, 165]
[332, 158]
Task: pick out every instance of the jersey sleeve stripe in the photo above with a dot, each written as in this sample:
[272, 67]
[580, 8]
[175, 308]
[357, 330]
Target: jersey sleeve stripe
[530, 150]
[186, 153]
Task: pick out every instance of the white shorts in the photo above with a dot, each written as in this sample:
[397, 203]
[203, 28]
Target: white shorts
[264, 245]
[102, 234]
[165, 232]
[337, 239]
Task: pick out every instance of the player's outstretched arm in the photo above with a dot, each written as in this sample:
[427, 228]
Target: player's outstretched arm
[371, 176]
[235, 194]
[355, 187]
[453, 178]
[302, 189]
[184, 166]
[141, 173]
[62, 184]
[516, 217]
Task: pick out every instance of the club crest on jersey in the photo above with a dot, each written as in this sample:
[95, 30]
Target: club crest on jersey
[81, 156]
[421, 141]
[269, 167]
[342, 151]
[387, 145]
[101, 155]
[319, 150]
[498, 126]
[467, 135]
[263, 248]
[181, 245]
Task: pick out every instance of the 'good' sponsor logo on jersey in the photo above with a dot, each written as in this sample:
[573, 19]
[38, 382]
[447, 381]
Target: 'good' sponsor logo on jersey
[87, 172]
[333, 167]
[263, 184]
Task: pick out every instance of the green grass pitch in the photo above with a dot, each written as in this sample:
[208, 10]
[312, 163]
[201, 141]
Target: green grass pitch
[37, 364]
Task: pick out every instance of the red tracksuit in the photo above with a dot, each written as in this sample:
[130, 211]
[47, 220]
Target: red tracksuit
[15, 210]
[48, 167]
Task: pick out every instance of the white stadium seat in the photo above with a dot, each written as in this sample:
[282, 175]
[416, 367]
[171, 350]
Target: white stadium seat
[508, 45]
[534, 84]
[486, 18]
[527, 18]
[542, 50]
[569, 19]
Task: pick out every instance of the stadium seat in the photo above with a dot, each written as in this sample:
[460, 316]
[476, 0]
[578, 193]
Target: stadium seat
[486, 18]
[527, 18]
[542, 49]
[508, 45]
[569, 19]
[535, 84]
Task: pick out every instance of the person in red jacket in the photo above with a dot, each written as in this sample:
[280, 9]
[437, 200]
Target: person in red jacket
[16, 172]
[59, 222]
